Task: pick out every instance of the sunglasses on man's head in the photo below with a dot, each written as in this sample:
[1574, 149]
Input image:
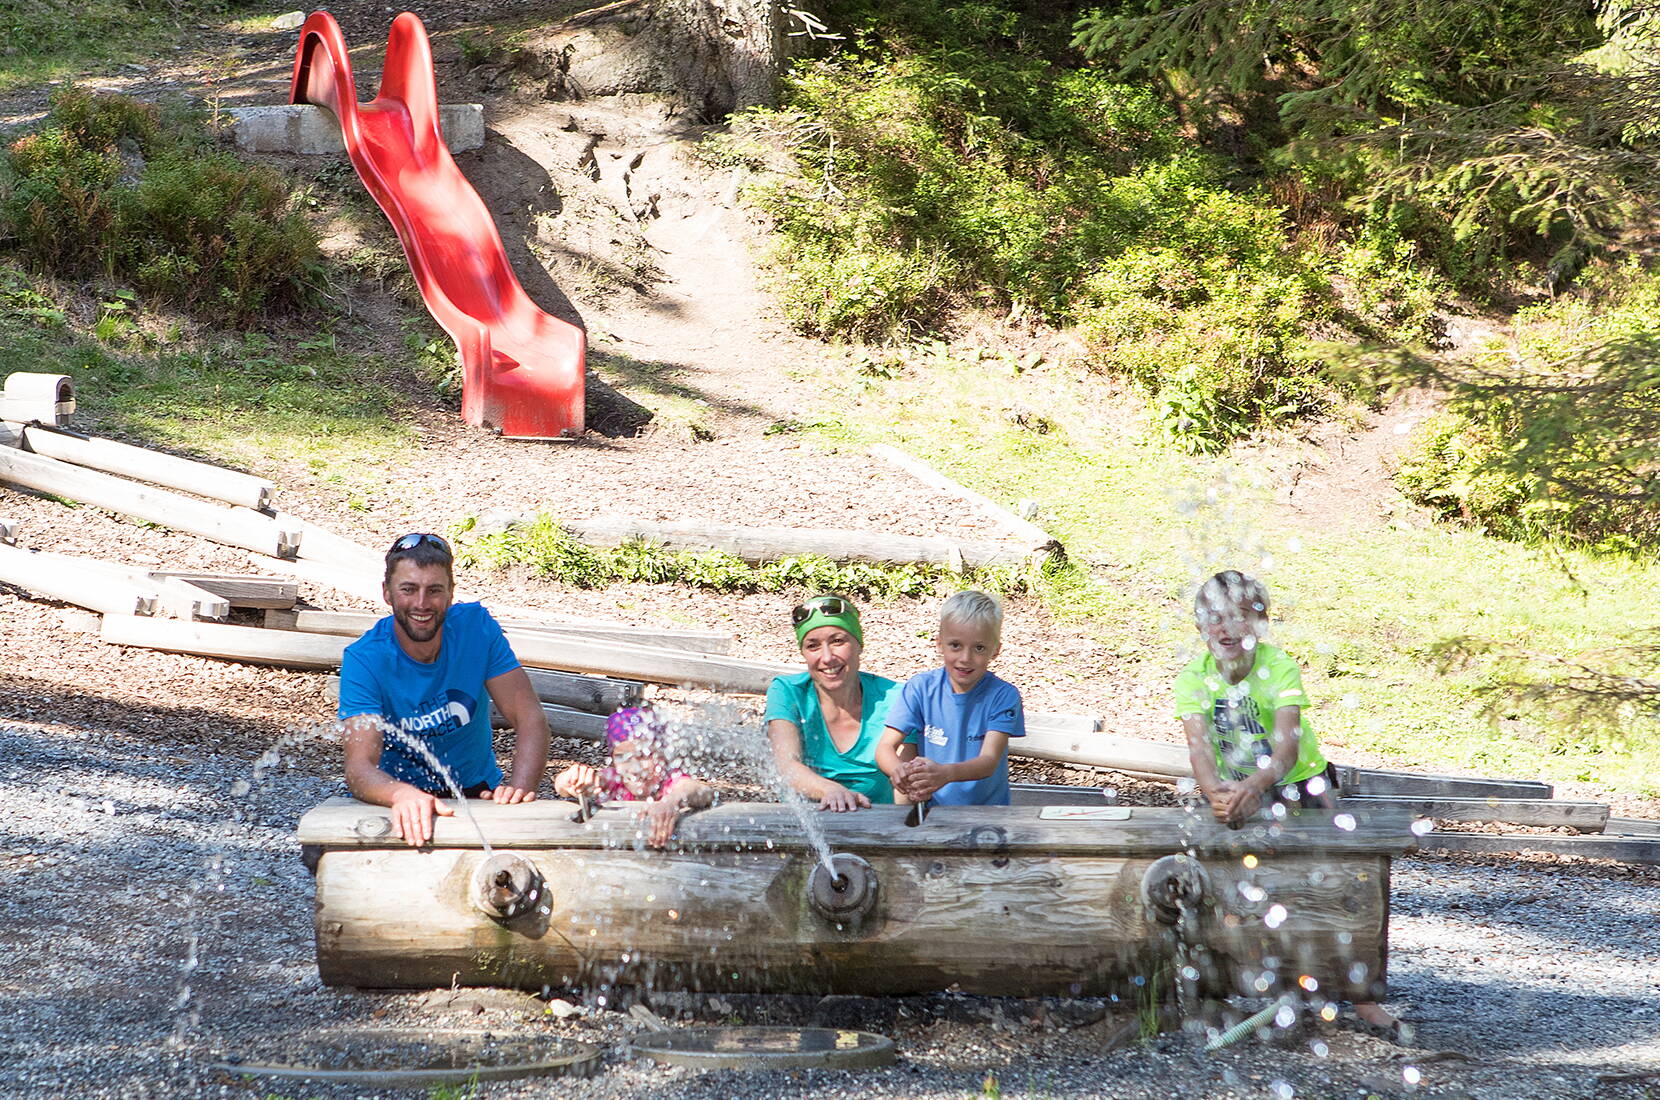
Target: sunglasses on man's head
[419, 538]
[829, 605]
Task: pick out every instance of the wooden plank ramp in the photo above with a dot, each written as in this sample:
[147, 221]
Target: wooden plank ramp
[1621, 849]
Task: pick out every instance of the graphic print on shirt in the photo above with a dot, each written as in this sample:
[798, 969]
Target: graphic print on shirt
[437, 717]
[1240, 735]
[933, 735]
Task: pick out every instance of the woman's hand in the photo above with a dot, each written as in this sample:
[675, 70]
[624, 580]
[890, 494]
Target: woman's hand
[838, 799]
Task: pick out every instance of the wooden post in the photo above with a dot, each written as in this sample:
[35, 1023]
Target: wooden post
[64, 579]
[1369, 781]
[1584, 817]
[199, 478]
[761, 544]
[1102, 750]
[231, 526]
[1034, 538]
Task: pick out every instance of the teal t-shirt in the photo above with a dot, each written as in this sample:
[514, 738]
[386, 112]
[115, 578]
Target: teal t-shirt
[794, 699]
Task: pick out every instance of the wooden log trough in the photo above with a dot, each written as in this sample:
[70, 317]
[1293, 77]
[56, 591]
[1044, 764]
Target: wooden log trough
[1015, 901]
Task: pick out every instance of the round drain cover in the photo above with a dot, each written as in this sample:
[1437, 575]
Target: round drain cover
[400, 1058]
[767, 1048]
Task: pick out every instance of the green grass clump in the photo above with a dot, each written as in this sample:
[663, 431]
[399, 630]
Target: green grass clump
[109, 186]
[42, 40]
[550, 551]
[249, 398]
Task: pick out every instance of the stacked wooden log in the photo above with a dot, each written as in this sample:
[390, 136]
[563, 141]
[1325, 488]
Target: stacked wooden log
[1434, 798]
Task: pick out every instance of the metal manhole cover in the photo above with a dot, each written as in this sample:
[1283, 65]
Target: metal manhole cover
[398, 1058]
[767, 1048]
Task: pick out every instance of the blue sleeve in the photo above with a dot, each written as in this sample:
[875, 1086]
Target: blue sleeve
[359, 694]
[905, 712]
[499, 656]
[1007, 714]
[781, 703]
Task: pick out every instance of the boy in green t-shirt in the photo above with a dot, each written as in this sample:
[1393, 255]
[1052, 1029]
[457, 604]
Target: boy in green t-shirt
[1241, 706]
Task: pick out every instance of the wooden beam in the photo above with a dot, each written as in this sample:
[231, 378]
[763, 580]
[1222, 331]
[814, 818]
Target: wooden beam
[67, 580]
[1368, 781]
[9, 529]
[242, 589]
[1081, 724]
[1054, 794]
[1619, 848]
[1102, 750]
[188, 475]
[568, 690]
[250, 644]
[321, 573]
[174, 599]
[1632, 826]
[992, 830]
[563, 722]
[232, 526]
[1034, 538]
[354, 623]
[319, 544]
[1586, 817]
[762, 544]
[295, 649]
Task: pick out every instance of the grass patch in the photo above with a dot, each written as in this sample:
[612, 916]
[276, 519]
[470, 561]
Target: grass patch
[550, 551]
[1365, 614]
[252, 400]
[49, 39]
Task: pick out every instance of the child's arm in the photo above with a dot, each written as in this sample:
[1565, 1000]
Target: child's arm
[663, 813]
[1202, 756]
[923, 776]
[786, 754]
[892, 755]
[1248, 794]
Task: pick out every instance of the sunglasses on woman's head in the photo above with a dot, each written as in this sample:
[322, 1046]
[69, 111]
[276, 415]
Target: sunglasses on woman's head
[830, 605]
[419, 538]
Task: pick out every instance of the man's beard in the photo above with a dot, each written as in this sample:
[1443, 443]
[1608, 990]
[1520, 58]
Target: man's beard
[420, 635]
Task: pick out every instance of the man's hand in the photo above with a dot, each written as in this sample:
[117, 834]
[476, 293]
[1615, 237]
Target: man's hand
[660, 818]
[838, 799]
[507, 794]
[412, 813]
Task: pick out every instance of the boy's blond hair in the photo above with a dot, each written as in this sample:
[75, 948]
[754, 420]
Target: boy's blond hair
[974, 609]
[1228, 590]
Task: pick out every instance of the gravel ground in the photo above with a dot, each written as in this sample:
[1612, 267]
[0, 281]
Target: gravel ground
[1525, 979]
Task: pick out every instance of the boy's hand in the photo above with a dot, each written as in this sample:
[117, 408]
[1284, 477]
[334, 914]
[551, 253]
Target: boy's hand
[507, 794]
[1232, 802]
[921, 778]
[660, 818]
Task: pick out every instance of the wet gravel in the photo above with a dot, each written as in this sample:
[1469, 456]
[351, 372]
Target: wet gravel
[127, 878]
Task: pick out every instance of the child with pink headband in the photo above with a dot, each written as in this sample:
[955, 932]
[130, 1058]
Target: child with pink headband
[639, 772]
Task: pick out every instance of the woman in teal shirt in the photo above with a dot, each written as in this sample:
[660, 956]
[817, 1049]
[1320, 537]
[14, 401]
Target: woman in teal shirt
[824, 723]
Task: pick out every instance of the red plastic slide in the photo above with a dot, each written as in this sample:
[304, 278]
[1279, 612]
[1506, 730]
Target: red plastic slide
[522, 370]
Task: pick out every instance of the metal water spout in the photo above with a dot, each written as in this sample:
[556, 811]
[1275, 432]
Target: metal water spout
[1173, 887]
[844, 892]
[507, 886]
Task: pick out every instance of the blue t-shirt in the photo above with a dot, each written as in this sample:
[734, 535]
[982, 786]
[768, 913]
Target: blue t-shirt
[949, 729]
[443, 705]
[794, 699]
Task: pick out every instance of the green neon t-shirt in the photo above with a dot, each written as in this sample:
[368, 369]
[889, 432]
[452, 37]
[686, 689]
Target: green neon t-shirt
[1240, 716]
[794, 699]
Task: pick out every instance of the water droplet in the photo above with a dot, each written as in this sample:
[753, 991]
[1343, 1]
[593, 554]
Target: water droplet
[1249, 861]
[1411, 1075]
[1275, 916]
[1285, 1017]
[1346, 822]
[240, 788]
[1319, 1046]
[1422, 826]
[1282, 1090]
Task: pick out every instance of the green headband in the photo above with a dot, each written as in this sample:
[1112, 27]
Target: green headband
[817, 616]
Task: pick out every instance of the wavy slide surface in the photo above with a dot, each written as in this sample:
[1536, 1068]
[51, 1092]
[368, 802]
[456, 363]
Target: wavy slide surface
[522, 369]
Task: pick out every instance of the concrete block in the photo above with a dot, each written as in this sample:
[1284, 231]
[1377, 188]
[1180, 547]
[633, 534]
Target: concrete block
[305, 128]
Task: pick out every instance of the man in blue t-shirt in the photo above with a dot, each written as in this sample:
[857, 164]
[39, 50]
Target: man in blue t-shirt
[948, 729]
[415, 694]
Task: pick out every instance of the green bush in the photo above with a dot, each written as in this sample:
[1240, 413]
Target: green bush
[1452, 466]
[109, 187]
